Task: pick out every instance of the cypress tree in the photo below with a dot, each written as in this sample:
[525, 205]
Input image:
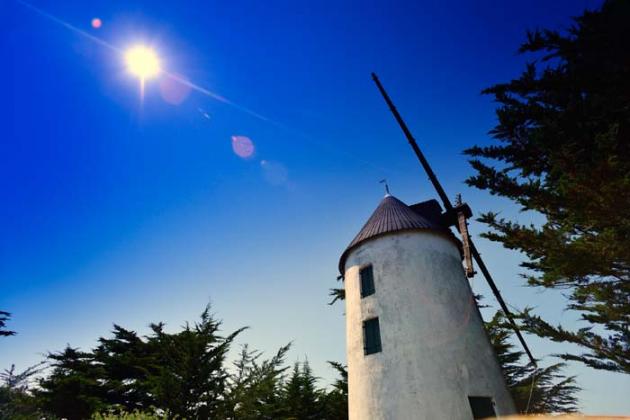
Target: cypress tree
[561, 151]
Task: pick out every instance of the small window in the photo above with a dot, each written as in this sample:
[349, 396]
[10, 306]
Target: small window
[371, 336]
[366, 275]
[482, 407]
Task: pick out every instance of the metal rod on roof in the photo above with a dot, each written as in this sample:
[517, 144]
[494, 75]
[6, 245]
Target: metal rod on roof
[448, 206]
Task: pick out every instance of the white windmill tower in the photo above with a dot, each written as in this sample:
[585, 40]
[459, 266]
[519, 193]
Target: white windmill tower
[416, 346]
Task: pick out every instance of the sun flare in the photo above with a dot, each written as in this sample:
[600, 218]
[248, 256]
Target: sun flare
[142, 61]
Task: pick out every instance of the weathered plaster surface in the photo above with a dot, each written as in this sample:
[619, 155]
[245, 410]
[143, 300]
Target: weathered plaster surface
[435, 350]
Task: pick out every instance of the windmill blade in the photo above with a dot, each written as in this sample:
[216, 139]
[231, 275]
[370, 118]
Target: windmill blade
[449, 209]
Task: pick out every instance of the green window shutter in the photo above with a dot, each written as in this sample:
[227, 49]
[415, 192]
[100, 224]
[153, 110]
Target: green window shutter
[371, 336]
[366, 275]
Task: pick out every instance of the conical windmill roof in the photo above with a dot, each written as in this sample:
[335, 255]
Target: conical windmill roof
[392, 215]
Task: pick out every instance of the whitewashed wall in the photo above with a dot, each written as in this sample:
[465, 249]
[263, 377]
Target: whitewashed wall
[435, 352]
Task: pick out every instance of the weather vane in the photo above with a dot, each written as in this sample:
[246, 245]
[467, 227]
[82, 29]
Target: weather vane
[384, 181]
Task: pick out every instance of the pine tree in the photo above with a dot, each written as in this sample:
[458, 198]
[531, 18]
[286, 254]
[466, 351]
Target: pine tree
[4, 317]
[127, 363]
[301, 399]
[335, 401]
[191, 377]
[254, 388]
[534, 390]
[72, 390]
[563, 137]
[180, 374]
[172, 375]
[16, 400]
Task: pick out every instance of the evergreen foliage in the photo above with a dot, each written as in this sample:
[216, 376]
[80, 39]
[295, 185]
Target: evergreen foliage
[73, 389]
[301, 400]
[126, 362]
[254, 389]
[4, 317]
[16, 400]
[336, 294]
[180, 375]
[190, 379]
[563, 142]
[335, 402]
[534, 390]
[127, 415]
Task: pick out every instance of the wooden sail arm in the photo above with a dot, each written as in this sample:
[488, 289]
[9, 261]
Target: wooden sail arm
[449, 210]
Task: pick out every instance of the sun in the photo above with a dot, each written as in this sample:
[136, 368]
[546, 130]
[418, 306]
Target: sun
[142, 61]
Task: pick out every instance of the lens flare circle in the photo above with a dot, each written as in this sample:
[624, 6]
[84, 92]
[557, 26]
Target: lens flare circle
[242, 146]
[142, 61]
[275, 173]
[96, 23]
[174, 89]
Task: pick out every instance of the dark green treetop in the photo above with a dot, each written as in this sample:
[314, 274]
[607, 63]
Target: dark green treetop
[4, 317]
[562, 150]
[534, 390]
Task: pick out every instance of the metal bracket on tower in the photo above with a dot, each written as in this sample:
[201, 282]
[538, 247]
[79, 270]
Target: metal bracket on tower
[462, 213]
[458, 216]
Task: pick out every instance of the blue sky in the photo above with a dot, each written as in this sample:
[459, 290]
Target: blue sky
[118, 209]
